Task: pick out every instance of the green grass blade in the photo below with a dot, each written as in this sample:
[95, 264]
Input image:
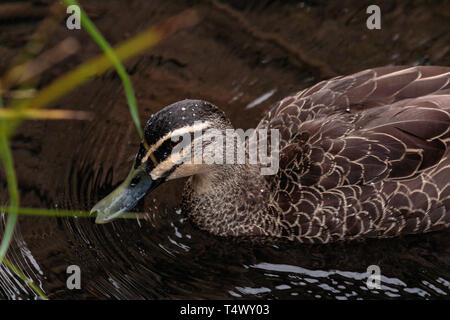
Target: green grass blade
[13, 195]
[63, 213]
[43, 114]
[98, 65]
[5, 154]
[25, 279]
[104, 45]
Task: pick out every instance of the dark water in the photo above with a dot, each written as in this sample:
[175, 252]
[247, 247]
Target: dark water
[71, 165]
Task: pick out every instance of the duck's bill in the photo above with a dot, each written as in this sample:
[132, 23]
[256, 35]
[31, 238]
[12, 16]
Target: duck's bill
[125, 197]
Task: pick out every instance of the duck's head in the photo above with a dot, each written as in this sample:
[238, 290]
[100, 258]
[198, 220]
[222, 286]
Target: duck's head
[158, 158]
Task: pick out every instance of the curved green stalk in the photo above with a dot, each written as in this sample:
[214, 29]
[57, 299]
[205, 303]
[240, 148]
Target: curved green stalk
[25, 279]
[62, 213]
[104, 45]
[5, 154]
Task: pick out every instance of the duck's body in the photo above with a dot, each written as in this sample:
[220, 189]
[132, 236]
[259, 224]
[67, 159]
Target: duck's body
[367, 155]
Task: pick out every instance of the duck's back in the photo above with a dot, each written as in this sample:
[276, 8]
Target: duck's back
[366, 155]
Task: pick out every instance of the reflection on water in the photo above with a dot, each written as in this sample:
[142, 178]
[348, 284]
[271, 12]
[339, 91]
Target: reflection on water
[260, 99]
[71, 165]
[169, 258]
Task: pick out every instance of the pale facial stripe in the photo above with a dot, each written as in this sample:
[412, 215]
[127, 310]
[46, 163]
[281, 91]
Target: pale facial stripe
[165, 166]
[176, 133]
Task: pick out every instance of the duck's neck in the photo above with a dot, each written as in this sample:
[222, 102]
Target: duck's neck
[231, 200]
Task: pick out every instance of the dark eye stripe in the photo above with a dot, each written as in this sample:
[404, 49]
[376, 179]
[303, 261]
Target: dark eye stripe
[165, 150]
[160, 154]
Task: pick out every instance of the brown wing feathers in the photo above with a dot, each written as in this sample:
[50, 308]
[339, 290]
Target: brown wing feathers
[366, 155]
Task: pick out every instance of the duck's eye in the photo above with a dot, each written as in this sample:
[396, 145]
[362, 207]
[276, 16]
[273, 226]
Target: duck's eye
[134, 181]
[173, 142]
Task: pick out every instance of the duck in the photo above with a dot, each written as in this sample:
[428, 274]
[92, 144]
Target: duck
[361, 156]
